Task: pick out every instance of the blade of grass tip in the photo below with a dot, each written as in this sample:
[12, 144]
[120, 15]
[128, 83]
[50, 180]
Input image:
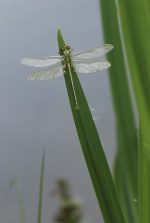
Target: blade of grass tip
[92, 148]
[40, 200]
[135, 32]
[126, 163]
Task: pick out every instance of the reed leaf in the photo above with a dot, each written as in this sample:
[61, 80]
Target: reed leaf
[135, 31]
[133, 18]
[92, 148]
[126, 163]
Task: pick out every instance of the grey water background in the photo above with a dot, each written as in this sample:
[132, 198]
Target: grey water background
[36, 115]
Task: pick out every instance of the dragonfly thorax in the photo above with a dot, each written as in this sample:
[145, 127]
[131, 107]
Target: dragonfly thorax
[65, 51]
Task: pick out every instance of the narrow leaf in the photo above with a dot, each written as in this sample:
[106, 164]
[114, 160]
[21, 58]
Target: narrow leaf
[135, 32]
[92, 148]
[126, 165]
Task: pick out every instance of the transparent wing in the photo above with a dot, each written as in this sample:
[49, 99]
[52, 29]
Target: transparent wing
[54, 71]
[40, 62]
[93, 53]
[91, 67]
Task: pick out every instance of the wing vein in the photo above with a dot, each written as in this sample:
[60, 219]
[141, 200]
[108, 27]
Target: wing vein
[91, 67]
[40, 62]
[93, 53]
[54, 71]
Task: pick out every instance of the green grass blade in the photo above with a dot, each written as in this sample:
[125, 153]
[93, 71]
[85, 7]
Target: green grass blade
[22, 210]
[40, 201]
[126, 176]
[92, 149]
[135, 30]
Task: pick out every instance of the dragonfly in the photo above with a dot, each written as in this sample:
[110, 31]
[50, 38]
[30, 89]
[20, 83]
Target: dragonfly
[86, 62]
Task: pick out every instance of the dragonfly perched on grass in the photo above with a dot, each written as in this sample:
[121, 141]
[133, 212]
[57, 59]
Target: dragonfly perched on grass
[83, 62]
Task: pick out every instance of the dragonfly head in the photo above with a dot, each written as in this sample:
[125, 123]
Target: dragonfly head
[65, 51]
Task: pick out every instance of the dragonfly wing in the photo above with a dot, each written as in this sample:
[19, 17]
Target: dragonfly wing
[91, 67]
[54, 71]
[40, 62]
[93, 53]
